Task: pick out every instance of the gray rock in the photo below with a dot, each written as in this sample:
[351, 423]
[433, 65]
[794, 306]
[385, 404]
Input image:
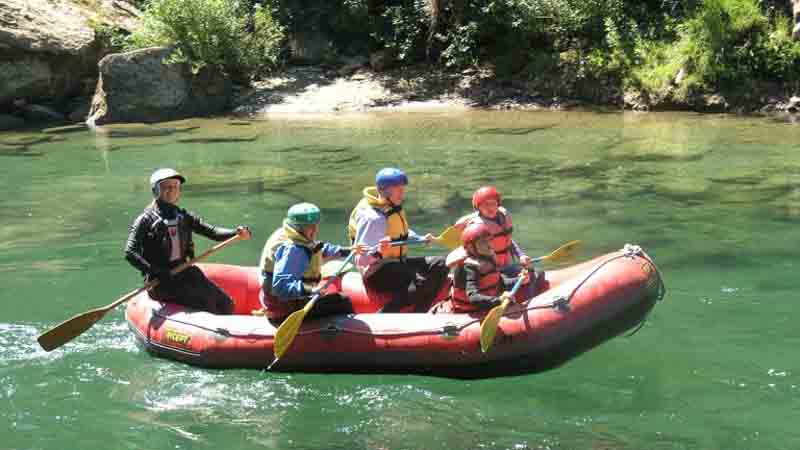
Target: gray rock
[715, 103]
[39, 113]
[80, 113]
[48, 47]
[9, 122]
[351, 65]
[794, 104]
[43, 26]
[138, 87]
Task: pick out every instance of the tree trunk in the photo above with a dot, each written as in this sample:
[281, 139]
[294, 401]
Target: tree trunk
[796, 15]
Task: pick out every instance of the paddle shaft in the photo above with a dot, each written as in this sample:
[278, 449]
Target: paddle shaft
[287, 331]
[77, 325]
[335, 275]
[153, 283]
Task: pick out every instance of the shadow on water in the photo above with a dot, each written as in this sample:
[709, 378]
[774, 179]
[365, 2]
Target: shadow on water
[657, 157]
[217, 140]
[141, 131]
[27, 141]
[311, 149]
[512, 131]
[25, 152]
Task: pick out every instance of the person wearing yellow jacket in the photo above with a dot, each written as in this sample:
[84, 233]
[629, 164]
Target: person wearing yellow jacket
[377, 221]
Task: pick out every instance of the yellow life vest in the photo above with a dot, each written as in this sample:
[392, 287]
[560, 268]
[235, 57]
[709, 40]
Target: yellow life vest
[396, 222]
[285, 235]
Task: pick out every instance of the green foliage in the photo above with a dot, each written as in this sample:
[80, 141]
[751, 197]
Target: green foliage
[403, 29]
[110, 37]
[225, 33]
[644, 44]
[723, 44]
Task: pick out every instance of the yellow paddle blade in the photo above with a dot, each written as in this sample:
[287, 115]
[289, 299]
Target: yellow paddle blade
[449, 239]
[489, 325]
[333, 267]
[563, 252]
[289, 328]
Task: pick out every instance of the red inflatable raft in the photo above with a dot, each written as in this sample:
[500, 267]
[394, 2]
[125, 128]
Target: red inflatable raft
[578, 308]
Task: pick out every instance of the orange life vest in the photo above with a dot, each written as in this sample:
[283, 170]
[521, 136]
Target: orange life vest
[501, 229]
[489, 283]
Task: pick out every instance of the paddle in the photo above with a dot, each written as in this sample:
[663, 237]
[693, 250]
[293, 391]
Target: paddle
[289, 328]
[449, 239]
[489, 324]
[565, 251]
[77, 325]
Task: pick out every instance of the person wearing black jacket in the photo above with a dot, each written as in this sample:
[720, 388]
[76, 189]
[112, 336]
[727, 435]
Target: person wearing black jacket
[160, 239]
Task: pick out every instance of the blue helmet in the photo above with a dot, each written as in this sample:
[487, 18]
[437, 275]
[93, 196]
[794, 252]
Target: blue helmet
[390, 176]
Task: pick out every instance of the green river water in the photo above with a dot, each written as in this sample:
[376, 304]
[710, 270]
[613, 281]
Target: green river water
[713, 199]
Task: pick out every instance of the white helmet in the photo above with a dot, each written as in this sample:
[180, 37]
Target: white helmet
[164, 174]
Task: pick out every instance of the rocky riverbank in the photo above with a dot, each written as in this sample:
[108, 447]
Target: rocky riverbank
[310, 89]
[50, 53]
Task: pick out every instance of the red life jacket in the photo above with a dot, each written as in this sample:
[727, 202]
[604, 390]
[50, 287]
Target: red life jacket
[489, 283]
[501, 229]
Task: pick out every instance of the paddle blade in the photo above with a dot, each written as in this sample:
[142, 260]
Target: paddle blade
[288, 330]
[489, 325]
[449, 239]
[70, 329]
[565, 251]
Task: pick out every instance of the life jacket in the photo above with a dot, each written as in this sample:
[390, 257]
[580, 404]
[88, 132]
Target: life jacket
[281, 307]
[489, 283]
[396, 222]
[501, 229]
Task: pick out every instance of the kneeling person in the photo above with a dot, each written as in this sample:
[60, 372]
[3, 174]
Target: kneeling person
[478, 282]
[291, 266]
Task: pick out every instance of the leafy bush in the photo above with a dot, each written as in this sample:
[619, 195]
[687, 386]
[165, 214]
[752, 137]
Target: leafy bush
[243, 41]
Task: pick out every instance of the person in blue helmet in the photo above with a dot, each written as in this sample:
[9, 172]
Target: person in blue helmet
[291, 267]
[160, 239]
[378, 220]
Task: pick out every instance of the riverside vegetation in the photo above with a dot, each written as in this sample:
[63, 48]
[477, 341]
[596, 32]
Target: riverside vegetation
[668, 52]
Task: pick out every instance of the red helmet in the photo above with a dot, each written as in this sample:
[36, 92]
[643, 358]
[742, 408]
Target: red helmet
[474, 232]
[483, 194]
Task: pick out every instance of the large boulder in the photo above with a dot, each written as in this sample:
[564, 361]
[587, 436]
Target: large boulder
[48, 48]
[138, 86]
